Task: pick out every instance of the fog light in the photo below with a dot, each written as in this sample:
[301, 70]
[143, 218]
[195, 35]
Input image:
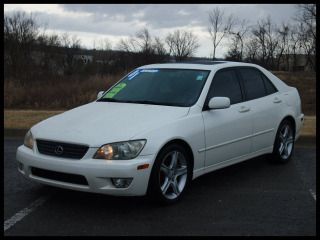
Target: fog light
[121, 182]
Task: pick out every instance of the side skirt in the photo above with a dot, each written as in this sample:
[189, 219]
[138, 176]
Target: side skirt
[201, 171]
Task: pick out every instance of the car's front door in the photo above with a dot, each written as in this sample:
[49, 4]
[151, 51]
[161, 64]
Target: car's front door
[227, 131]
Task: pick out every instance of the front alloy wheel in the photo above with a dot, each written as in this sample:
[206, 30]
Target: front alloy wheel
[173, 174]
[170, 175]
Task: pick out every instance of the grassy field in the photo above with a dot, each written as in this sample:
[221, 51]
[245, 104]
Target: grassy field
[24, 119]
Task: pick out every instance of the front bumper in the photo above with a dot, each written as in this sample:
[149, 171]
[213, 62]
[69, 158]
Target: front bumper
[97, 172]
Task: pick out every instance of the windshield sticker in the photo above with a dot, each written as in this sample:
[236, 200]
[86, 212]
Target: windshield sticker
[132, 75]
[150, 70]
[199, 78]
[114, 91]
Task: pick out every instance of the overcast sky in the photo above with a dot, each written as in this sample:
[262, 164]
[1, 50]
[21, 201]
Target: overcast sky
[94, 22]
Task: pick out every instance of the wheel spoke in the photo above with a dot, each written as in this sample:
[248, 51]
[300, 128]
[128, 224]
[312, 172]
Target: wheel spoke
[165, 186]
[175, 187]
[181, 171]
[174, 160]
[165, 169]
[282, 147]
[282, 138]
[286, 131]
[289, 140]
[286, 153]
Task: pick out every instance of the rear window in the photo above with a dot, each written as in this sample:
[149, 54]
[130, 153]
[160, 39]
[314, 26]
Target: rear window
[253, 83]
[270, 88]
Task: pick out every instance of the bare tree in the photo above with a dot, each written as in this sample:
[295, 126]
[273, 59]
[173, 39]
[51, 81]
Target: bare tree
[126, 44]
[294, 45]
[283, 46]
[307, 15]
[159, 49]
[266, 36]
[20, 33]
[141, 42]
[219, 27]
[306, 18]
[182, 44]
[251, 50]
[237, 41]
[71, 46]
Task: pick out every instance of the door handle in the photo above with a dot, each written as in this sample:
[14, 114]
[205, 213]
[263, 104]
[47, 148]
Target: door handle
[277, 100]
[244, 109]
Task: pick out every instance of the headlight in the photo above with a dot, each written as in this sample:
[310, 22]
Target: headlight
[28, 140]
[120, 150]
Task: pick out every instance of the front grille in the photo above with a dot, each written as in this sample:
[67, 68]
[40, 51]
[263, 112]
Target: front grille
[59, 176]
[60, 149]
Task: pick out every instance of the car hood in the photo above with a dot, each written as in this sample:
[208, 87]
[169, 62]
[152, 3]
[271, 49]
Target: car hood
[98, 123]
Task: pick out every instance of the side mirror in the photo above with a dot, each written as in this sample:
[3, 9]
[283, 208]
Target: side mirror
[100, 94]
[219, 103]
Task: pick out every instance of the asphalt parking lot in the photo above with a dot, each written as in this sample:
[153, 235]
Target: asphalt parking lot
[255, 197]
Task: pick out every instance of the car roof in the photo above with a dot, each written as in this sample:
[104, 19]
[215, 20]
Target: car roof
[201, 65]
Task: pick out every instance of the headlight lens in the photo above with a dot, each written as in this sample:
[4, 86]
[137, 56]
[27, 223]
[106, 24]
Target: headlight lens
[28, 140]
[120, 150]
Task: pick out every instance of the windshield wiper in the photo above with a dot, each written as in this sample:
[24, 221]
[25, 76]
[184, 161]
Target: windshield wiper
[110, 100]
[155, 103]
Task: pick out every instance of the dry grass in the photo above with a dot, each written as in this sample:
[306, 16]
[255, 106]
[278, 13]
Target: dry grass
[24, 119]
[309, 126]
[305, 82]
[53, 94]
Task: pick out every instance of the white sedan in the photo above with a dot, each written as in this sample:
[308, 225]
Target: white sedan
[163, 125]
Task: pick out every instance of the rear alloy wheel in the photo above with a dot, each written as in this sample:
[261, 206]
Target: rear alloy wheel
[284, 143]
[170, 175]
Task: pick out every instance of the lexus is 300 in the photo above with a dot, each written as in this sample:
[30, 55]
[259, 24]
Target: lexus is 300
[163, 125]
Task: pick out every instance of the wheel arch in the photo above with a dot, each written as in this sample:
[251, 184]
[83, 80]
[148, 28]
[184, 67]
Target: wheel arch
[291, 119]
[184, 144]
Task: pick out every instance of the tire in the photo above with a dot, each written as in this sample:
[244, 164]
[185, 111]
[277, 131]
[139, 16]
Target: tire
[284, 143]
[171, 175]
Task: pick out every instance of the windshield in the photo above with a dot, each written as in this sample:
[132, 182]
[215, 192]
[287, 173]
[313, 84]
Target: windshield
[173, 87]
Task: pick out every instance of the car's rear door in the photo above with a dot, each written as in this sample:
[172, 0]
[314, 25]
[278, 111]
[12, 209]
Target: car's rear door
[227, 131]
[265, 104]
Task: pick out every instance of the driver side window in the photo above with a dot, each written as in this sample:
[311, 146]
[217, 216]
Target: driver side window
[225, 84]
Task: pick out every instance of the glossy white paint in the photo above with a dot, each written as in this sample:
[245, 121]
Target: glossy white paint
[219, 103]
[217, 137]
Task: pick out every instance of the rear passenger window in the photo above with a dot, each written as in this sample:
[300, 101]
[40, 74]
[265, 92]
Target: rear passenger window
[226, 84]
[253, 83]
[269, 86]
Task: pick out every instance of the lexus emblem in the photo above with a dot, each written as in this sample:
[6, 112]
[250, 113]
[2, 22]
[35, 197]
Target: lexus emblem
[58, 150]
